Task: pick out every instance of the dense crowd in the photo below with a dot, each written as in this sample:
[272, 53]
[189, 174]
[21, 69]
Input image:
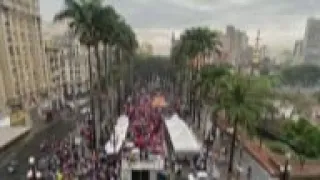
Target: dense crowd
[146, 127]
[63, 159]
[67, 159]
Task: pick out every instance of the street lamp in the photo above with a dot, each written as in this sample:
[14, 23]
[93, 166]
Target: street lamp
[31, 174]
[286, 168]
[240, 171]
[208, 143]
[38, 175]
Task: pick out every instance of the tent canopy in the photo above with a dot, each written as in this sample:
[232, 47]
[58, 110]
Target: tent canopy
[159, 101]
[114, 145]
[182, 138]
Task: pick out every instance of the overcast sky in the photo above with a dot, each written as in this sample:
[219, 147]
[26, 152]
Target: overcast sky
[280, 21]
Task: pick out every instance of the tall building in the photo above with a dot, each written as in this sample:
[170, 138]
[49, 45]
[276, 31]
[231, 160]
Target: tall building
[23, 63]
[53, 55]
[230, 43]
[235, 43]
[298, 52]
[73, 68]
[75, 74]
[311, 41]
[145, 49]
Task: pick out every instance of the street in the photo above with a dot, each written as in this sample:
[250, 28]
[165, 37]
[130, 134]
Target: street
[31, 147]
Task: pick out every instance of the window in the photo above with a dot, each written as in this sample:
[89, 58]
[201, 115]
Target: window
[9, 39]
[23, 37]
[11, 50]
[14, 70]
[17, 91]
[18, 50]
[7, 23]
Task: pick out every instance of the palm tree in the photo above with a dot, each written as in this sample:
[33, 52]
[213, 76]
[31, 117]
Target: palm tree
[107, 27]
[80, 14]
[179, 62]
[195, 44]
[125, 42]
[106, 18]
[243, 98]
[208, 88]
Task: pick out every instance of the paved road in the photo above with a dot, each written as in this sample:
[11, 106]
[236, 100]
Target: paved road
[59, 129]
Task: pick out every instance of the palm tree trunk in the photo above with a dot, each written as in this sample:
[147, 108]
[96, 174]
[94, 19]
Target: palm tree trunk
[199, 113]
[96, 51]
[233, 145]
[92, 108]
[105, 65]
[119, 82]
[191, 104]
[131, 74]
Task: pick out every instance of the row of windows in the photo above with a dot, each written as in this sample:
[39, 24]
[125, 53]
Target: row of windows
[16, 51]
[33, 4]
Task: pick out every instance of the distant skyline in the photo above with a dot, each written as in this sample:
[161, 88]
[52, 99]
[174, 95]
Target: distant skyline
[281, 21]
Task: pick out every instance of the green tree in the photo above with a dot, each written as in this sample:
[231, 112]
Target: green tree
[80, 14]
[106, 19]
[303, 137]
[305, 75]
[243, 98]
[207, 85]
[96, 24]
[193, 47]
[125, 43]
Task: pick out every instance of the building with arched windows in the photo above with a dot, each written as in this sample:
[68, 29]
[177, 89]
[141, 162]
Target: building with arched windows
[23, 63]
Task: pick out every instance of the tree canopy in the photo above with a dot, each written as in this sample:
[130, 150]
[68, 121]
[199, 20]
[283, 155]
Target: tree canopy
[306, 75]
[303, 137]
[146, 67]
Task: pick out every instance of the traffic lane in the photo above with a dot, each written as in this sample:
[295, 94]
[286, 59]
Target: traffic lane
[38, 126]
[32, 148]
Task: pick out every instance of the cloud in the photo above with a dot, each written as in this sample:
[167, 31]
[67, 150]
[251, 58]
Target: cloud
[280, 21]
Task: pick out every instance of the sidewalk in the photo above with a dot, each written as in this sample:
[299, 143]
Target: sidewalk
[219, 165]
[9, 135]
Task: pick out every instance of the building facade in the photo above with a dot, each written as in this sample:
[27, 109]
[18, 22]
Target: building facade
[53, 55]
[3, 98]
[298, 52]
[23, 62]
[311, 41]
[74, 65]
[70, 74]
[145, 49]
[235, 43]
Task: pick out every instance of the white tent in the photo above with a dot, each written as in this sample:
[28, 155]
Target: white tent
[183, 139]
[114, 144]
[4, 121]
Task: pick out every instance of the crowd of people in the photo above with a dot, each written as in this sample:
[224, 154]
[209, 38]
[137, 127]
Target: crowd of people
[66, 160]
[146, 127]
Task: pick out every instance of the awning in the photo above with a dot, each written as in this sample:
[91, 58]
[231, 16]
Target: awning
[182, 138]
[115, 143]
